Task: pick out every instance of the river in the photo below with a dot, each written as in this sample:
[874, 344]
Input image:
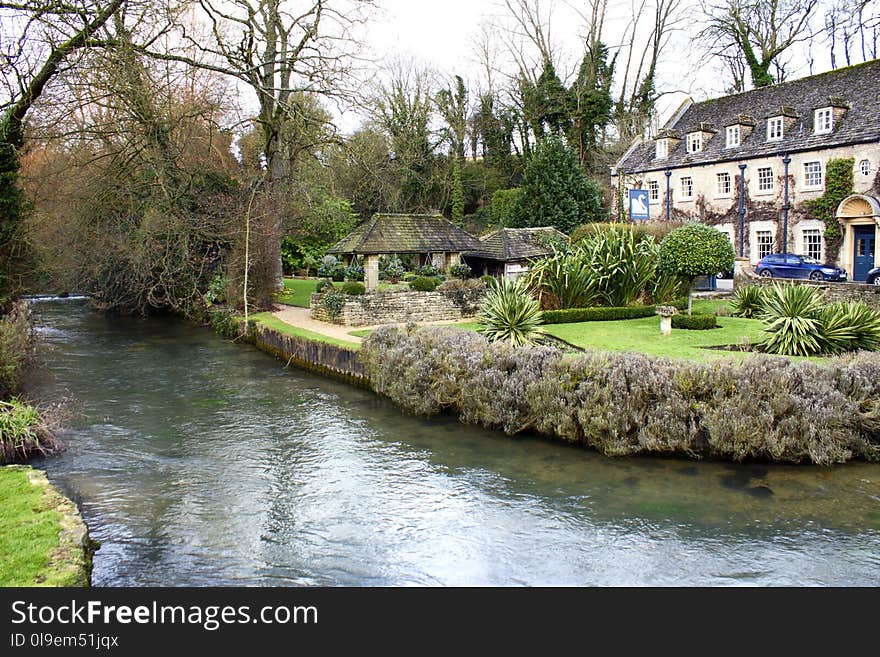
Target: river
[200, 462]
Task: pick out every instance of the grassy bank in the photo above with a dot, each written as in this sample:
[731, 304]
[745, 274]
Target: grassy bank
[43, 541]
[270, 321]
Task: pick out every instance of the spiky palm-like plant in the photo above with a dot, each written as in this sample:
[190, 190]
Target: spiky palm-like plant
[793, 317]
[850, 326]
[509, 313]
[747, 301]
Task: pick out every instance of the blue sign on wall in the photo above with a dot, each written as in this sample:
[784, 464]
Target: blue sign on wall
[639, 205]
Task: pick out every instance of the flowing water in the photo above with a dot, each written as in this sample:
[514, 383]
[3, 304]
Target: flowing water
[200, 462]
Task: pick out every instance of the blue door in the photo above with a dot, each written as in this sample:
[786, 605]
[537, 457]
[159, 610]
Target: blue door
[863, 255]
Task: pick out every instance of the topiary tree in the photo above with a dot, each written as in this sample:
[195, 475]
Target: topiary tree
[555, 190]
[695, 250]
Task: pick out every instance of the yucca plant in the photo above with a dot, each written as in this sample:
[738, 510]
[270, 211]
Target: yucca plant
[623, 263]
[569, 277]
[793, 317]
[510, 313]
[747, 301]
[849, 326]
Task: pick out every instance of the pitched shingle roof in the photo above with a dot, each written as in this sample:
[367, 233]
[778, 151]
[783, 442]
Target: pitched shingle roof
[406, 233]
[509, 244]
[857, 86]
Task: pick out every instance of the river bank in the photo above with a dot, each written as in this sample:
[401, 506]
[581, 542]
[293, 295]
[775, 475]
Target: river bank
[43, 539]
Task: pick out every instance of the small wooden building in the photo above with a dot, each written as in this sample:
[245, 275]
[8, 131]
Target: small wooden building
[428, 236]
[507, 251]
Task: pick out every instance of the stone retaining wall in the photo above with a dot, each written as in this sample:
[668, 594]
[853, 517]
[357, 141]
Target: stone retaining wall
[870, 294]
[401, 307]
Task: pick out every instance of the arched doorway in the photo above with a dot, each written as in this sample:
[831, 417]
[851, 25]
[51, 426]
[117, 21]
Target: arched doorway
[859, 216]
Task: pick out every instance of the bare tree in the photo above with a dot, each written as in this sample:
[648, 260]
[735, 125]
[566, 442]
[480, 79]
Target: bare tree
[852, 29]
[756, 32]
[37, 40]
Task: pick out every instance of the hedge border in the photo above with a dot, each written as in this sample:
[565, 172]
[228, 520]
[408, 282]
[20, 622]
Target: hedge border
[694, 322]
[600, 314]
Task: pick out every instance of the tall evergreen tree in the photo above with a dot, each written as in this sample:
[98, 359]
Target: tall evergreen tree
[555, 191]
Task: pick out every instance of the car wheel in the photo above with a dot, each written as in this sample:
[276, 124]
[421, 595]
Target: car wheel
[816, 276]
[766, 274]
[874, 281]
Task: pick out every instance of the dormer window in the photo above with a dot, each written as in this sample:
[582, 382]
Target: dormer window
[733, 136]
[695, 142]
[661, 149]
[823, 121]
[774, 128]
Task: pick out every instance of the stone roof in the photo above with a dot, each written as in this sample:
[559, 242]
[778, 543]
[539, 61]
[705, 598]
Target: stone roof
[406, 233]
[854, 87]
[509, 244]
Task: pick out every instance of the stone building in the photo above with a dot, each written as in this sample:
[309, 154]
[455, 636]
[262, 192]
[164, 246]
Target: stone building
[430, 237]
[750, 164]
[508, 251]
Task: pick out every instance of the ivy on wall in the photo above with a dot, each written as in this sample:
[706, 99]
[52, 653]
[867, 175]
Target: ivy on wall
[838, 185]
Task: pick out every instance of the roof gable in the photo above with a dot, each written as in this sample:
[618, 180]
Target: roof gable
[854, 86]
[507, 244]
[406, 233]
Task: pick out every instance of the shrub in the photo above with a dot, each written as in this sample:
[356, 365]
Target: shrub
[848, 327]
[332, 268]
[763, 408]
[428, 269]
[509, 313]
[408, 277]
[608, 267]
[332, 302]
[747, 301]
[792, 314]
[17, 345]
[460, 270]
[694, 322]
[353, 288]
[601, 314]
[424, 283]
[24, 432]
[696, 250]
[354, 273]
[488, 280]
[323, 285]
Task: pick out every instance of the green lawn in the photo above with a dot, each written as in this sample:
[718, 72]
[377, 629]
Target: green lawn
[643, 335]
[270, 321]
[297, 291]
[30, 527]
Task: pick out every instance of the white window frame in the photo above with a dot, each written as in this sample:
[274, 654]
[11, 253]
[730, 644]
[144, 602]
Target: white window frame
[810, 171]
[812, 229]
[733, 136]
[823, 121]
[756, 228]
[763, 188]
[694, 142]
[775, 128]
[685, 188]
[762, 245]
[653, 190]
[865, 167]
[661, 149]
[726, 189]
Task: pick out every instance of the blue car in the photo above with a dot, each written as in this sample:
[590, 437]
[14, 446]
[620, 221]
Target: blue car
[789, 265]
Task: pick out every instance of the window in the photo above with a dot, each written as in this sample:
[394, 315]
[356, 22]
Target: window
[823, 121]
[865, 167]
[695, 142]
[765, 179]
[687, 188]
[765, 243]
[661, 149]
[813, 243]
[653, 190]
[723, 184]
[732, 136]
[774, 129]
[812, 175]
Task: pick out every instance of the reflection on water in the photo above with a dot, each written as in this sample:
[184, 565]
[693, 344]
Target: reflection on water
[200, 462]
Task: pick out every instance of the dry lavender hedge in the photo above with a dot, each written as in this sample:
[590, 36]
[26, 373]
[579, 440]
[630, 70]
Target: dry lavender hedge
[763, 408]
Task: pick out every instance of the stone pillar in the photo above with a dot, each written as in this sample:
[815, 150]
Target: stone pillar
[743, 273]
[371, 273]
[666, 325]
[452, 259]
